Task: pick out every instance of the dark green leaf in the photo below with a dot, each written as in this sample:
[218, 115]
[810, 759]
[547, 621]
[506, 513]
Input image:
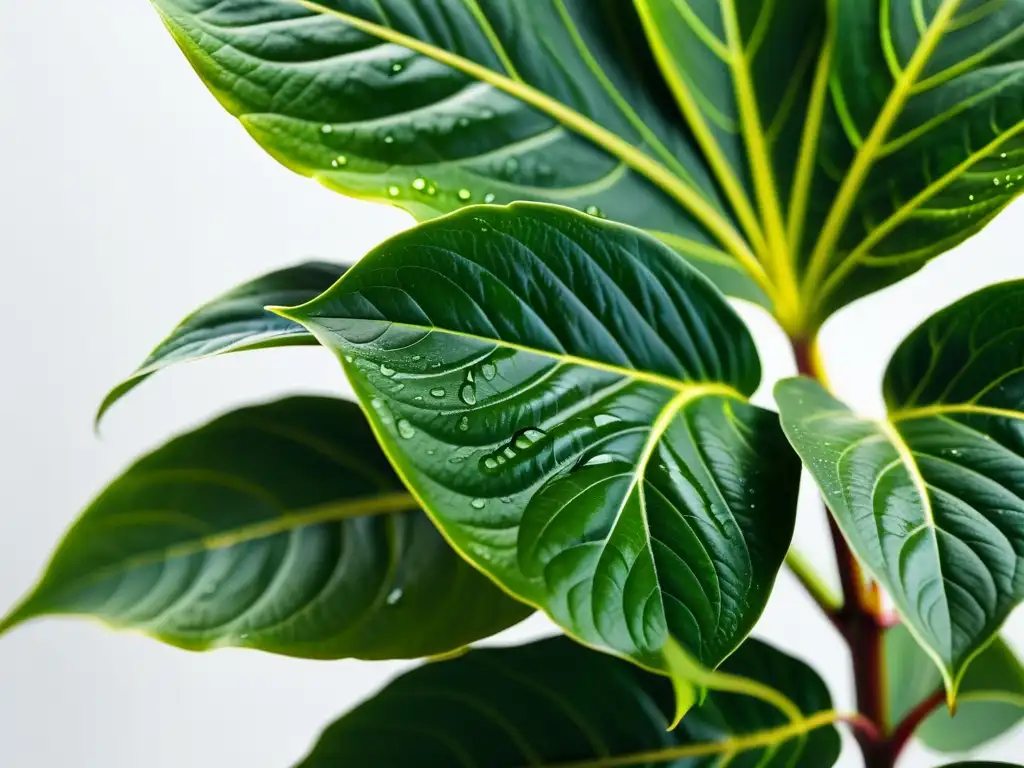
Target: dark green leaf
[435, 105]
[801, 154]
[931, 498]
[554, 702]
[279, 527]
[991, 699]
[236, 321]
[569, 401]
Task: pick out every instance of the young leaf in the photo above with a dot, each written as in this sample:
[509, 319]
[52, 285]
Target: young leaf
[555, 703]
[990, 702]
[432, 106]
[236, 321]
[800, 154]
[278, 527]
[569, 401]
[930, 499]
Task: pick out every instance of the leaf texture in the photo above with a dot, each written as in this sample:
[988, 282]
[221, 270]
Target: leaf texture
[236, 321]
[931, 498]
[568, 400]
[555, 703]
[278, 527]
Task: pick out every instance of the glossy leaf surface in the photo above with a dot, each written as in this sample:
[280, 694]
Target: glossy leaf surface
[990, 703]
[568, 400]
[432, 106]
[795, 164]
[931, 498]
[554, 702]
[278, 527]
[236, 321]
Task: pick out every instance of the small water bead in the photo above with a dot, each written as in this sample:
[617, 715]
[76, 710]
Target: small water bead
[431, 190]
[377, 403]
[995, 181]
[394, 596]
[340, 161]
[511, 165]
[348, 358]
[489, 198]
[489, 371]
[417, 358]
[468, 394]
[437, 392]
[593, 210]
[528, 438]
[405, 429]
[396, 67]
[478, 503]
[464, 424]
[1003, 155]
[419, 184]
[393, 191]
[326, 128]
[464, 194]
[970, 197]
[490, 462]
[463, 122]
[385, 371]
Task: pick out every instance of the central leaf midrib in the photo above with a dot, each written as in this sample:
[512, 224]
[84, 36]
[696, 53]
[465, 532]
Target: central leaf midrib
[378, 504]
[641, 162]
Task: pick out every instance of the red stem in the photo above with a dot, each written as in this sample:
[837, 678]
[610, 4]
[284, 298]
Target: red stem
[899, 737]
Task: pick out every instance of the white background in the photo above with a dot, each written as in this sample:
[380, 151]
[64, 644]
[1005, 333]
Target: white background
[127, 197]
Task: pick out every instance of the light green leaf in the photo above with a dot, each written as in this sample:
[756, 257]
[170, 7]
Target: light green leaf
[555, 703]
[236, 321]
[433, 106]
[800, 154]
[278, 527]
[930, 498]
[569, 401]
[990, 703]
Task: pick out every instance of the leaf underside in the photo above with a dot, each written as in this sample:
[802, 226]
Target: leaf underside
[552, 702]
[568, 400]
[278, 527]
[800, 154]
[931, 498]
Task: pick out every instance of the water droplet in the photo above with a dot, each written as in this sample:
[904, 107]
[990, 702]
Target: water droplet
[489, 198]
[478, 503]
[398, 388]
[489, 371]
[389, 139]
[340, 161]
[465, 194]
[996, 182]
[393, 191]
[418, 398]
[490, 462]
[326, 128]
[385, 371]
[376, 403]
[431, 189]
[604, 419]
[437, 392]
[394, 596]
[463, 122]
[431, 452]
[405, 429]
[1003, 155]
[506, 499]
[348, 358]
[244, 636]
[419, 184]
[593, 210]
[464, 424]
[396, 67]
[511, 166]
[970, 197]
[468, 394]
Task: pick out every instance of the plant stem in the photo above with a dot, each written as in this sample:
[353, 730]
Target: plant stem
[859, 618]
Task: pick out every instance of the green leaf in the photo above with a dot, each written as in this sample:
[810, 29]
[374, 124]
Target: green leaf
[930, 498]
[432, 106]
[236, 321]
[553, 702]
[800, 154]
[982, 764]
[278, 527]
[569, 401]
[990, 703]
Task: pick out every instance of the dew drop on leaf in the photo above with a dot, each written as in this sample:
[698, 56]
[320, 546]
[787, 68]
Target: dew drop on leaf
[396, 67]
[478, 503]
[463, 122]
[489, 371]
[464, 424]
[394, 596]
[419, 184]
[389, 139]
[593, 210]
[405, 429]
[465, 194]
[437, 392]
[393, 191]
[385, 371]
[326, 128]
[468, 394]
[489, 198]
